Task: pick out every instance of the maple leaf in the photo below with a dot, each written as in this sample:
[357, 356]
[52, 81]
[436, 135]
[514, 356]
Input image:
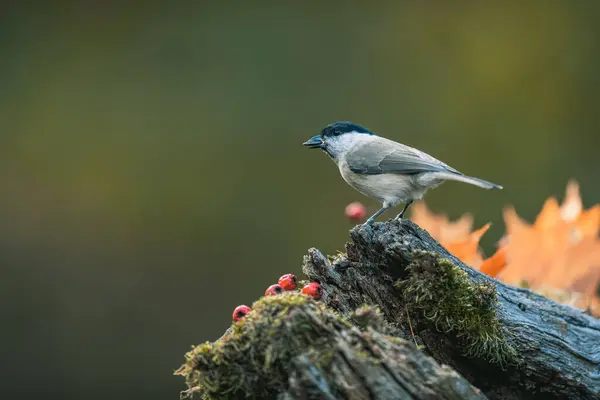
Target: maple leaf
[455, 236]
[491, 266]
[439, 226]
[467, 250]
[559, 254]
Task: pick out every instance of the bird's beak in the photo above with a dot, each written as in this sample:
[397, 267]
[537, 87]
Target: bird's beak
[315, 142]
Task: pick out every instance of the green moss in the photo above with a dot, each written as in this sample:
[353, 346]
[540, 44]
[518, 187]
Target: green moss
[442, 294]
[369, 316]
[337, 256]
[254, 357]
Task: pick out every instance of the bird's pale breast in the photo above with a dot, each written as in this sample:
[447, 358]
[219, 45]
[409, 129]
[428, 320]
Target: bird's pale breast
[390, 189]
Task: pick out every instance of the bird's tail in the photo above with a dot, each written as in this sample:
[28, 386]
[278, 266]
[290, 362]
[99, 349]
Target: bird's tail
[468, 179]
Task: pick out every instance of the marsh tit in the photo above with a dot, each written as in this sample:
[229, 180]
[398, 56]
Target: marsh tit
[387, 171]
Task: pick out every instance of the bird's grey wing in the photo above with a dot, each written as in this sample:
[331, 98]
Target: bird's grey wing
[388, 157]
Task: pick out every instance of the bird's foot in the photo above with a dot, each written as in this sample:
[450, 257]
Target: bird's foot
[401, 215]
[368, 222]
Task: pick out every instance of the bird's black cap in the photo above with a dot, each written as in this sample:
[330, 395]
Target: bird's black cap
[341, 127]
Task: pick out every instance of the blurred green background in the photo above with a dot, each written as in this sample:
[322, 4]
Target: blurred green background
[153, 176]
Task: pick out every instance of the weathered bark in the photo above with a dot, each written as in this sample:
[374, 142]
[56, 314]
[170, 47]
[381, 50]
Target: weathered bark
[557, 347]
[293, 347]
[507, 342]
[369, 365]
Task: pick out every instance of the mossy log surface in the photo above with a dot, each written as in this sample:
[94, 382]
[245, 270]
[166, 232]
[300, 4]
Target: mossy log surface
[400, 318]
[293, 347]
[542, 349]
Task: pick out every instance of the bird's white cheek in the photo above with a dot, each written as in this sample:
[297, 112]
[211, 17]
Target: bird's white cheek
[338, 146]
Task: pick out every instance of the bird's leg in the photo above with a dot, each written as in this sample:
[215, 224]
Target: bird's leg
[377, 214]
[401, 215]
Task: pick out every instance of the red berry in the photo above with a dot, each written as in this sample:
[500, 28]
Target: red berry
[288, 282]
[313, 289]
[240, 312]
[356, 211]
[274, 290]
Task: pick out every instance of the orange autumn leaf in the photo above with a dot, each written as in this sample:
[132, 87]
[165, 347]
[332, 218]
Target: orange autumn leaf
[586, 223]
[467, 250]
[494, 264]
[572, 205]
[559, 254]
[439, 226]
[455, 236]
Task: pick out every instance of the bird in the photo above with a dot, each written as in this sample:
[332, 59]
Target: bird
[385, 170]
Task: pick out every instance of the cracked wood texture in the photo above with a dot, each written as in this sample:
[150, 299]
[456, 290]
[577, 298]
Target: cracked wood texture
[370, 365]
[558, 346]
[342, 361]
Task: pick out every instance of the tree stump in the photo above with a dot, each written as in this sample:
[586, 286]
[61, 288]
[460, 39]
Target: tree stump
[401, 318]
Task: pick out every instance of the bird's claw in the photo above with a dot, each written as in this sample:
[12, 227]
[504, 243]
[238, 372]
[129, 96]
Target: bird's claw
[367, 223]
